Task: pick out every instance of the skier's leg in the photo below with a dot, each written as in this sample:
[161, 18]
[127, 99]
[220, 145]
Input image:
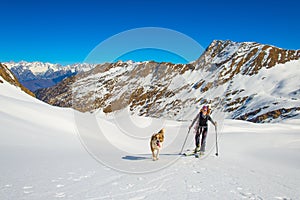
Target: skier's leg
[197, 140]
[203, 139]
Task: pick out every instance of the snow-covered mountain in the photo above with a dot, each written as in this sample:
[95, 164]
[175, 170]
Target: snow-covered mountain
[247, 81]
[48, 153]
[36, 75]
[251, 81]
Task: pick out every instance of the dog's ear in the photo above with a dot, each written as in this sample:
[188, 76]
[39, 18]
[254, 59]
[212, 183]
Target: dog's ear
[153, 137]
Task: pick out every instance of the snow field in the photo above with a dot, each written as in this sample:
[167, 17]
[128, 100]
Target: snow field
[48, 152]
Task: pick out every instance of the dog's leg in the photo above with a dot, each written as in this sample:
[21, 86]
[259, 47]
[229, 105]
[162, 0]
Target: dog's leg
[153, 156]
[157, 152]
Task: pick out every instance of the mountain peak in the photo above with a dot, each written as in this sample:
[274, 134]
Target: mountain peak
[248, 57]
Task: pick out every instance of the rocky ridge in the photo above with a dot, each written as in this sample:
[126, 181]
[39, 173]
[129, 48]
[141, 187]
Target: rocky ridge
[8, 76]
[239, 79]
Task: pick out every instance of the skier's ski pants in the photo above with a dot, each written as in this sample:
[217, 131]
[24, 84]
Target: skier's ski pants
[202, 130]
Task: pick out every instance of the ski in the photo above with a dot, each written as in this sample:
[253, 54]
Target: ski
[190, 153]
[200, 154]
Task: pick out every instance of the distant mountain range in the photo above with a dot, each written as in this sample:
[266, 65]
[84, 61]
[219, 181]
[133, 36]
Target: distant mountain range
[248, 81]
[36, 75]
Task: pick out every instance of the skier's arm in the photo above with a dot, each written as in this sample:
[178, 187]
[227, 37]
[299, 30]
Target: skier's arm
[197, 117]
[210, 119]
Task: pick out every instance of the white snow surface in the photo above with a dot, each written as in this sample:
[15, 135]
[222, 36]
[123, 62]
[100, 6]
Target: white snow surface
[48, 152]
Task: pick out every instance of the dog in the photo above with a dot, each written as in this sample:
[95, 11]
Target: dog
[156, 142]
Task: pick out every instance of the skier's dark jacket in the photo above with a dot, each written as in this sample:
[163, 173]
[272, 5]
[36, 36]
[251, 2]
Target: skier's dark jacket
[202, 120]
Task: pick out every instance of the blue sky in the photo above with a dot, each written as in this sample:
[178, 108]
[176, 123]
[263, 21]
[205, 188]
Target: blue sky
[65, 31]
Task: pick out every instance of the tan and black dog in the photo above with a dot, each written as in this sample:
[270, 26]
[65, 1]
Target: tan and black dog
[156, 142]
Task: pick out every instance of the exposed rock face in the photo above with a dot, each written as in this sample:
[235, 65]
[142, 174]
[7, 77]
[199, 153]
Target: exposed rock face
[116, 86]
[245, 71]
[237, 78]
[8, 76]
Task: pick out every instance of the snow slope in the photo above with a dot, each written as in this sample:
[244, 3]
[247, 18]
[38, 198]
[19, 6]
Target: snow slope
[48, 152]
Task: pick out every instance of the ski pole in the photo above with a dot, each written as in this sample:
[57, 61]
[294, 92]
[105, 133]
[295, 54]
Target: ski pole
[217, 151]
[185, 141]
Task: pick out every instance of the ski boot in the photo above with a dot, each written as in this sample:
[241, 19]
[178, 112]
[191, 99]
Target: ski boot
[197, 149]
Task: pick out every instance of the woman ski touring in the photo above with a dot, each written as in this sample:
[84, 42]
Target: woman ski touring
[202, 128]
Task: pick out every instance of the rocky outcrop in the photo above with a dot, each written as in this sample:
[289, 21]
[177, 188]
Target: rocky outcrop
[8, 76]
